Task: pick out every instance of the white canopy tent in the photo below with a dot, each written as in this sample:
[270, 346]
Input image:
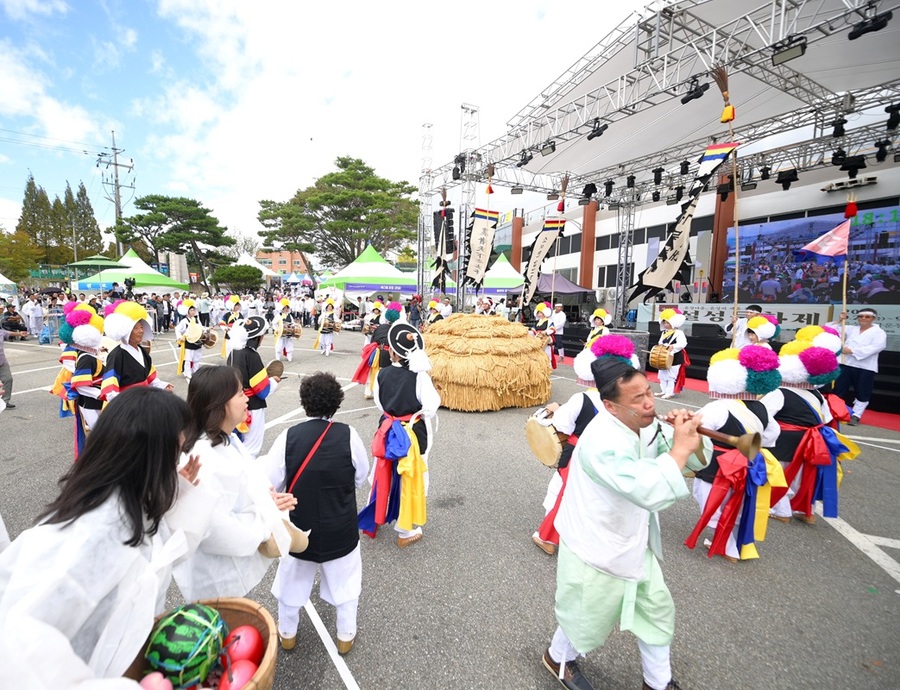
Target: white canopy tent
[247, 260]
[7, 286]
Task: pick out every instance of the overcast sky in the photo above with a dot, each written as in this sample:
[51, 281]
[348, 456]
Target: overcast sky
[233, 101]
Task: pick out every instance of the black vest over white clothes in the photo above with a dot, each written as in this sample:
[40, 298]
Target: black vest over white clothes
[248, 363]
[398, 398]
[732, 427]
[325, 492]
[588, 412]
[380, 336]
[795, 410]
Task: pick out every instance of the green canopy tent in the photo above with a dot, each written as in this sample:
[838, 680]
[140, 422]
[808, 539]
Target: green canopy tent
[370, 273]
[145, 278]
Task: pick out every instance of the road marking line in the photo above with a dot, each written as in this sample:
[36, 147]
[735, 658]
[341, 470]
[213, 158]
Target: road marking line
[869, 438]
[865, 544]
[885, 541]
[339, 663]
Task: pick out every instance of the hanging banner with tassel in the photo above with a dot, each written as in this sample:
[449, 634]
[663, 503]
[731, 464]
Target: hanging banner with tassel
[444, 244]
[538, 252]
[674, 258]
[481, 244]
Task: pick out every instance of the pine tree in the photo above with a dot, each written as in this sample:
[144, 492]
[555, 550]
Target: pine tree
[87, 230]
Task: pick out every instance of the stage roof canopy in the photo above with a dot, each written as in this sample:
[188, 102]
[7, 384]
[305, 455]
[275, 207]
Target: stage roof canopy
[634, 80]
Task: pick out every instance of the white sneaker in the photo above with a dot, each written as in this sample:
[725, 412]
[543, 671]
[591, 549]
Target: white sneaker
[667, 396]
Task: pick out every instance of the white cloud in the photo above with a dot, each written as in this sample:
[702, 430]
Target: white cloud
[287, 87]
[23, 9]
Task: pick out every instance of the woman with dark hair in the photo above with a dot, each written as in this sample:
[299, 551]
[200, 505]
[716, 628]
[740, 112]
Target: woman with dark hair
[82, 587]
[248, 513]
[322, 463]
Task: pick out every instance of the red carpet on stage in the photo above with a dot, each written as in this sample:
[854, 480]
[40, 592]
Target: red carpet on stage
[882, 420]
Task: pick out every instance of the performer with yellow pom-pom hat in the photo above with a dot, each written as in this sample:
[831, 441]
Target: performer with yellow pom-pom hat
[286, 329]
[761, 329]
[671, 380]
[545, 329]
[733, 490]
[187, 332]
[434, 314]
[129, 363]
[600, 321]
[808, 448]
[372, 321]
[327, 326]
[84, 388]
[229, 319]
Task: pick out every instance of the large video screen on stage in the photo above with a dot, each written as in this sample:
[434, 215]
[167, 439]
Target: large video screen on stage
[768, 272]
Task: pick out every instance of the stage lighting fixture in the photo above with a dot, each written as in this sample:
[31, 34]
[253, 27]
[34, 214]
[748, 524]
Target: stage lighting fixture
[897, 157]
[597, 130]
[589, 189]
[852, 165]
[838, 157]
[685, 167]
[516, 190]
[881, 153]
[629, 182]
[552, 196]
[748, 186]
[525, 159]
[838, 127]
[679, 192]
[789, 49]
[548, 148]
[765, 172]
[460, 160]
[695, 90]
[671, 200]
[870, 24]
[457, 172]
[607, 187]
[584, 201]
[657, 175]
[786, 178]
[655, 195]
[894, 119]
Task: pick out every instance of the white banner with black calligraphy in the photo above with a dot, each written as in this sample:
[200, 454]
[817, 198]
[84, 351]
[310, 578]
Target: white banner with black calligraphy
[480, 243]
[538, 252]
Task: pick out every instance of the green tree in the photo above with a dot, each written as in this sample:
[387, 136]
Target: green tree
[18, 255]
[89, 239]
[59, 250]
[178, 224]
[239, 279]
[343, 212]
[35, 219]
[146, 227]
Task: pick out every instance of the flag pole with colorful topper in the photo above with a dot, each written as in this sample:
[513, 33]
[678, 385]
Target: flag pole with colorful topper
[720, 75]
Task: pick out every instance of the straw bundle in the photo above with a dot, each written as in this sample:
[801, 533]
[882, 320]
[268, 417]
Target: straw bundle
[487, 363]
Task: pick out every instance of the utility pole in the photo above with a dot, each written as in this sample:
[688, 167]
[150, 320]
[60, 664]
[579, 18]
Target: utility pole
[112, 160]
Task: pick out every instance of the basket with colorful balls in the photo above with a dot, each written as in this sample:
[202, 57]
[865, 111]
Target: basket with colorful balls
[218, 644]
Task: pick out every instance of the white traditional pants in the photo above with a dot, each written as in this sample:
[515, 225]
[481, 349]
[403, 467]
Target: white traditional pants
[284, 347]
[253, 437]
[191, 362]
[340, 585]
[326, 343]
[701, 495]
[667, 378]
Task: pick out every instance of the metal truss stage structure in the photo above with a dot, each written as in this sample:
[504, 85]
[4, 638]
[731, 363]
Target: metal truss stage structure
[634, 105]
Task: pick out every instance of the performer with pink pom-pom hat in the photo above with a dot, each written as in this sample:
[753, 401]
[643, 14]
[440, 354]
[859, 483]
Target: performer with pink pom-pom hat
[728, 488]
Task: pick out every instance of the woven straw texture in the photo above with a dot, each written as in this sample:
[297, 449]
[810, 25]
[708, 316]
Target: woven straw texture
[487, 363]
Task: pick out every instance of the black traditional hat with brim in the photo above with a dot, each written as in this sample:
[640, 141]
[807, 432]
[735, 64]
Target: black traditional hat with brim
[403, 339]
[608, 369]
[256, 326]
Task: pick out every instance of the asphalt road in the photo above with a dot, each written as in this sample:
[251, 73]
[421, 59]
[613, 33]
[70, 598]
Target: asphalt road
[471, 605]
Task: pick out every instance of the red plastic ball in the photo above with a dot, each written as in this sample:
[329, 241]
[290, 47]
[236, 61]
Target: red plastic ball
[244, 642]
[242, 672]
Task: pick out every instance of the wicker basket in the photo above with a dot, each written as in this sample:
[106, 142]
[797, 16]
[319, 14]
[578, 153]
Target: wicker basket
[236, 611]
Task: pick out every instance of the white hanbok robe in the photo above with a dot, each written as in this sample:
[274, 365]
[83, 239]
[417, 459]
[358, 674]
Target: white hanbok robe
[229, 565]
[77, 604]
